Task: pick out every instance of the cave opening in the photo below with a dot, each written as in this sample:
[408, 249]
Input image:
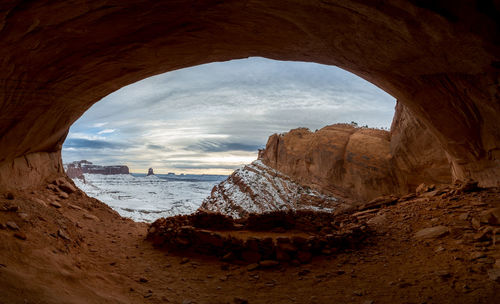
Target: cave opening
[435, 244]
[193, 127]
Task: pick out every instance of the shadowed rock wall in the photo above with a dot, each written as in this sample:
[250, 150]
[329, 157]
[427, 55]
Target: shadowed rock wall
[439, 58]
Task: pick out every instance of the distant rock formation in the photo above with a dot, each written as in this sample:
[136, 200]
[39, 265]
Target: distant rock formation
[74, 171]
[150, 172]
[257, 188]
[78, 168]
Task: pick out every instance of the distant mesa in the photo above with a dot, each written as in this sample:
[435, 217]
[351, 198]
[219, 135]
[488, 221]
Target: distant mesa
[150, 172]
[76, 169]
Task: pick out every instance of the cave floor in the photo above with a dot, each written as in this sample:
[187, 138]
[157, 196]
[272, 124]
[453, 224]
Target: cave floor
[77, 250]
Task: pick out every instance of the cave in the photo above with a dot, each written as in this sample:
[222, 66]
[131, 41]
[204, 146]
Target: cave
[439, 59]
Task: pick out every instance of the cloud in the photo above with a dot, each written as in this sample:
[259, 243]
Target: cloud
[204, 166]
[106, 131]
[93, 144]
[87, 136]
[214, 146]
[157, 147]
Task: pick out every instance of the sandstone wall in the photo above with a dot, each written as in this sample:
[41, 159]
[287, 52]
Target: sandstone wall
[361, 163]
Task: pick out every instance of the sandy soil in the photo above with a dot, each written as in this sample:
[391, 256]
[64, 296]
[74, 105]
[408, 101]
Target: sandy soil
[78, 250]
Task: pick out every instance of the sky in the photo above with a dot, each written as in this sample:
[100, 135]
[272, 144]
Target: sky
[213, 118]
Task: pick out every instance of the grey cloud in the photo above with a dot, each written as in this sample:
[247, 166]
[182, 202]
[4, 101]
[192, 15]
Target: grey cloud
[157, 147]
[94, 144]
[187, 165]
[216, 146]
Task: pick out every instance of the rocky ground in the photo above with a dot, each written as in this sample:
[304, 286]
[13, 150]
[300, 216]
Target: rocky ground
[60, 246]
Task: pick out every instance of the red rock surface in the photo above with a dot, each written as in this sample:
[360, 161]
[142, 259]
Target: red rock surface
[440, 59]
[361, 163]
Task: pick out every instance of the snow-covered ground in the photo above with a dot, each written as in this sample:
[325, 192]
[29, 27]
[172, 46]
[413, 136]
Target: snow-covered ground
[147, 198]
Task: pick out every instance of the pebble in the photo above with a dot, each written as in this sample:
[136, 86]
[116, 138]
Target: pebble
[63, 195]
[252, 267]
[184, 260]
[440, 249]
[443, 274]
[20, 235]
[358, 293]
[11, 208]
[55, 204]
[238, 300]
[431, 233]
[90, 217]
[12, 225]
[74, 207]
[24, 216]
[63, 235]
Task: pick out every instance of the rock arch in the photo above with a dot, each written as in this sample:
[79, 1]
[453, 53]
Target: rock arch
[439, 58]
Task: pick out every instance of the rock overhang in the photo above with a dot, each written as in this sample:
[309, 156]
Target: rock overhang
[439, 59]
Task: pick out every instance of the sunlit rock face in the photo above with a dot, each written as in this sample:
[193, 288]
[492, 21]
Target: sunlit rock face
[440, 59]
[359, 162]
